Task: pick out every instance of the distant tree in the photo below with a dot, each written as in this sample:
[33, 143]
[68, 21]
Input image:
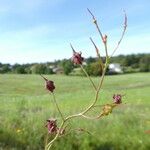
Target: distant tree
[39, 69]
[19, 69]
[128, 61]
[94, 69]
[145, 63]
[90, 60]
[67, 66]
[49, 71]
[28, 70]
[5, 68]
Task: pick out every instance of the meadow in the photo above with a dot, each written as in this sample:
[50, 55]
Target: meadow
[25, 105]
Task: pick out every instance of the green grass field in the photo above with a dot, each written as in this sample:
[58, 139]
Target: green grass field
[25, 105]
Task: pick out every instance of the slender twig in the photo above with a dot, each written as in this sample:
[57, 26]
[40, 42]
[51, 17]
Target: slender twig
[48, 146]
[61, 126]
[57, 106]
[78, 115]
[95, 22]
[88, 77]
[72, 48]
[46, 140]
[82, 114]
[85, 71]
[98, 53]
[93, 118]
[106, 51]
[103, 74]
[43, 77]
[97, 93]
[99, 31]
[96, 48]
[122, 35]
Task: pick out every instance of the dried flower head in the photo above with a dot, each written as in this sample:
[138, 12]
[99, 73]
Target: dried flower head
[76, 58]
[117, 98]
[51, 126]
[49, 84]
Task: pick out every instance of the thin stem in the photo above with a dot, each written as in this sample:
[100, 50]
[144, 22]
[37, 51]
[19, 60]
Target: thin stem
[46, 140]
[85, 71]
[106, 51]
[99, 31]
[72, 116]
[61, 126]
[98, 53]
[88, 77]
[95, 22]
[48, 146]
[93, 118]
[122, 35]
[97, 89]
[80, 114]
[97, 92]
[57, 106]
[55, 138]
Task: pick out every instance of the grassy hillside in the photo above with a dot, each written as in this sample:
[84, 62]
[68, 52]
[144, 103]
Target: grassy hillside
[25, 105]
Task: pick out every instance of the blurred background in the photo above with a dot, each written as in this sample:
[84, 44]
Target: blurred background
[34, 39]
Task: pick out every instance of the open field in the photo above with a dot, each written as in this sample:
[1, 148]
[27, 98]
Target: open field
[25, 105]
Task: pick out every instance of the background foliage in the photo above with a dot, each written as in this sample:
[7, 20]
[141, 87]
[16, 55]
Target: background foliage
[129, 63]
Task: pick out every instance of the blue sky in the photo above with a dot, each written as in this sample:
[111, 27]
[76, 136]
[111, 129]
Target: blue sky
[41, 30]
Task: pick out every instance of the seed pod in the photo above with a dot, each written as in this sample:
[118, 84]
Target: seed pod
[77, 58]
[117, 98]
[51, 125]
[49, 85]
[107, 109]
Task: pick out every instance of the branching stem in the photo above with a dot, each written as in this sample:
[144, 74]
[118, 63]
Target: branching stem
[88, 77]
[57, 106]
[97, 89]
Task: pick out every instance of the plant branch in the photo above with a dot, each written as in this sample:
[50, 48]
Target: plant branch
[98, 53]
[57, 106]
[88, 77]
[48, 146]
[61, 126]
[85, 71]
[97, 92]
[95, 22]
[93, 118]
[99, 31]
[97, 89]
[122, 35]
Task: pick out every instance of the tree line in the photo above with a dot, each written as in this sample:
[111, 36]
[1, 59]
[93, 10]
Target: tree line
[129, 64]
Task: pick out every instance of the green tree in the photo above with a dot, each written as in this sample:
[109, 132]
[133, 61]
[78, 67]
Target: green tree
[39, 69]
[67, 66]
[5, 68]
[17, 68]
[94, 69]
[145, 63]
[90, 60]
